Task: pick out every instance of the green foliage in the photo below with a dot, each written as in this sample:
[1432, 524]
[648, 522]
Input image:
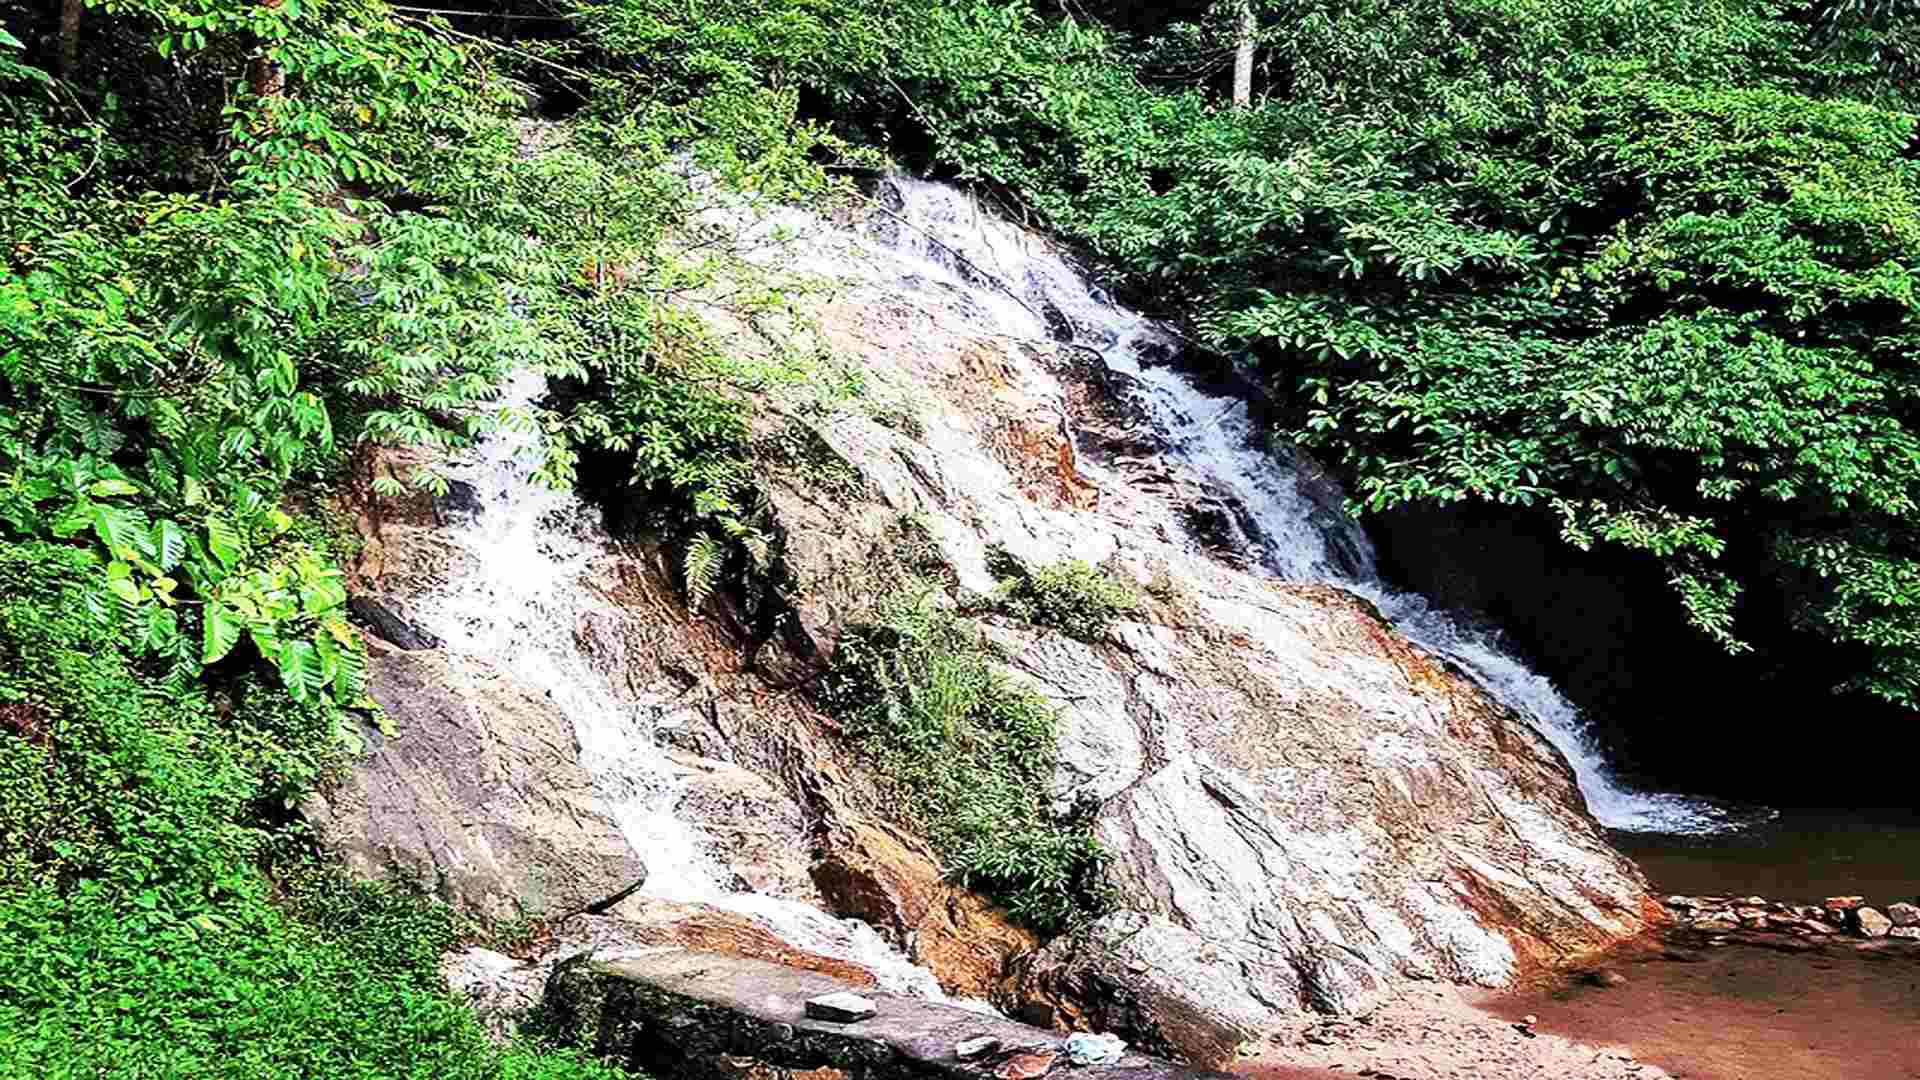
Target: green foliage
[1698, 350]
[137, 935]
[1071, 596]
[1643, 268]
[971, 755]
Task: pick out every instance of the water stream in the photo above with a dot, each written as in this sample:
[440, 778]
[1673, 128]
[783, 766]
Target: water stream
[1292, 526]
[520, 588]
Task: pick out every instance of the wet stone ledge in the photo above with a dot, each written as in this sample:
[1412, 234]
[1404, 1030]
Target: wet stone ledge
[707, 1016]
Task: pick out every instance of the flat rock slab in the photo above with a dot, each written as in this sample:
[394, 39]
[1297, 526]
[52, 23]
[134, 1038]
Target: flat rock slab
[678, 1012]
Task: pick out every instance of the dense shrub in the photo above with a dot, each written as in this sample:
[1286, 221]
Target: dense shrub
[1071, 596]
[138, 935]
[970, 754]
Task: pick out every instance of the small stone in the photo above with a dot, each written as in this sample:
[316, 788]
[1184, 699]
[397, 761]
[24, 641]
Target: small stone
[1030, 1066]
[844, 1007]
[1085, 1049]
[1910, 933]
[1815, 926]
[1871, 923]
[1754, 901]
[1719, 926]
[1842, 903]
[977, 1047]
[1904, 915]
[1604, 978]
[1529, 1019]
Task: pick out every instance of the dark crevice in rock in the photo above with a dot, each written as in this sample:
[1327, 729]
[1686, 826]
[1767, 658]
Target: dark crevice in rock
[378, 616]
[602, 906]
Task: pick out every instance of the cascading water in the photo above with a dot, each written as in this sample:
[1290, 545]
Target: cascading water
[528, 551]
[943, 240]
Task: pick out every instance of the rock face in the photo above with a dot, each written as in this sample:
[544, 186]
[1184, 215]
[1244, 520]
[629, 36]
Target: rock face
[1303, 810]
[478, 793]
[880, 874]
[1143, 974]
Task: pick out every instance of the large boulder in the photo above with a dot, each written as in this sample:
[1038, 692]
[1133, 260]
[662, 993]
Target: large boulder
[1275, 770]
[885, 876]
[478, 793]
[1328, 805]
[1166, 986]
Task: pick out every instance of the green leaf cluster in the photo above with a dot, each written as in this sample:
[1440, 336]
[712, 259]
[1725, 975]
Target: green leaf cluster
[1072, 596]
[138, 936]
[970, 755]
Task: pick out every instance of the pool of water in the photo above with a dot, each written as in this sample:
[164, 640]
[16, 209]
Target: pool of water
[1799, 856]
[1773, 1010]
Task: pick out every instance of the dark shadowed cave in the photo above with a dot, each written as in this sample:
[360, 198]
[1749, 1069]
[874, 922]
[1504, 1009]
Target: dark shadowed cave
[1675, 710]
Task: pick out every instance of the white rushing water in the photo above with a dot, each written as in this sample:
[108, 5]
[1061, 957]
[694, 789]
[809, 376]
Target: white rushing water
[1293, 521]
[515, 600]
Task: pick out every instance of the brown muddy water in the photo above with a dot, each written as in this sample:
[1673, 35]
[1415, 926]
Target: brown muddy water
[1766, 1007]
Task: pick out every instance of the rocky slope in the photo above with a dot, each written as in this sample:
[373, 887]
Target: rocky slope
[1305, 811]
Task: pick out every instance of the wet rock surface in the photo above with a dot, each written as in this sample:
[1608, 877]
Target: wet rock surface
[1305, 812]
[478, 793]
[702, 1015]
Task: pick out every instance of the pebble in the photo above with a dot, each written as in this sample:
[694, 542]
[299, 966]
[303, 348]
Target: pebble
[1909, 933]
[976, 1047]
[1871, 923]
[1904, 914]
[844, 1007]
[1085, 1049]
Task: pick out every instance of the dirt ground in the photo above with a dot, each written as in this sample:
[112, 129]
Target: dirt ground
[1435, 1033]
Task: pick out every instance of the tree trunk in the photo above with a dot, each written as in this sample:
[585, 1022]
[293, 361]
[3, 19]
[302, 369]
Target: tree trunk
[69, 37]
[266, 77]
[1243, 57]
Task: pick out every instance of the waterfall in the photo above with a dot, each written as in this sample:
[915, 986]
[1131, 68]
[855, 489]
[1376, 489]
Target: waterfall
[526, 557]
[1295, 527]
[526, 553]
